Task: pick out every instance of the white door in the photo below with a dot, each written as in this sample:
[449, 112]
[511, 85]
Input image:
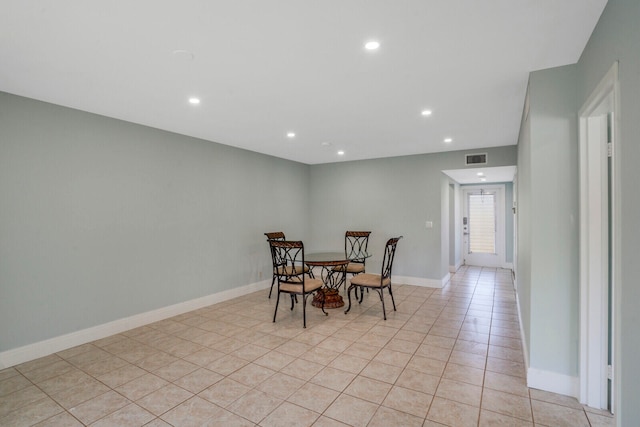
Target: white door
[483, 225]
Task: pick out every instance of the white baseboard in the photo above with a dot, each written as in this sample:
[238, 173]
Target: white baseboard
[546, 380]
[454, 268]
[553, 382]
[44, 348]
[525, 347]
[422, 281]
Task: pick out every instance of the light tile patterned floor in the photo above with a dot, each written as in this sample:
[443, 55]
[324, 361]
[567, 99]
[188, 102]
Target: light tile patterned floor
[448, 356]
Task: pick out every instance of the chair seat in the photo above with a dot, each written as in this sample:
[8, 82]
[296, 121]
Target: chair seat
[370, 280]
[310, 285]
[352, 267]
[290, 270]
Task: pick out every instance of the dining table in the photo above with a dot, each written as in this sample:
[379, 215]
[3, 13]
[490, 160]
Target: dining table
[332, 276]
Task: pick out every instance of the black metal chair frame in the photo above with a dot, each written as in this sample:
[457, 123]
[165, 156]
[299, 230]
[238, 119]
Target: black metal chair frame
[289, 257]
[384, 278]
[277, 236]
[355, 243]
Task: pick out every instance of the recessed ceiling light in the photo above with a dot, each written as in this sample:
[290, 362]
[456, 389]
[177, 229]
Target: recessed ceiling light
[340, 153]
[326, 144]
[480, 174]
[194, 101]
[372, 45]
[448, 140]
[291, 134]
[426, 112]
[483, 179]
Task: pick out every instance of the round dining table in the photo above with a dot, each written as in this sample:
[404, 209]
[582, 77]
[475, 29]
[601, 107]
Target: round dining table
[331, 277]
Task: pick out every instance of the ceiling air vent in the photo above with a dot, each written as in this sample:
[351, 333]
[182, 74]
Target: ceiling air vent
[476, 159]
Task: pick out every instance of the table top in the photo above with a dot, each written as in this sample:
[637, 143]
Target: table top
[331, 258]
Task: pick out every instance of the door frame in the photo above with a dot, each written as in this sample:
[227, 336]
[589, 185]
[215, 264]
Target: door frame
[500, 220]
[594, 244]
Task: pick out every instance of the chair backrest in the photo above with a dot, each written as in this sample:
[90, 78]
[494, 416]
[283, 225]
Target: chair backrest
[288, 253]
[389, 253]
[275, 235]
[356, 242]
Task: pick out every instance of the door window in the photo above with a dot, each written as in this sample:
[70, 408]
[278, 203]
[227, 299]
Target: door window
[482, 223]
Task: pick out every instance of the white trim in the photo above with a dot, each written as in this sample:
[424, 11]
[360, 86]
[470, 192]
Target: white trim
[545, 380]
[594, 242]
[422, 281]
[553, 382]
[454, 268]
[525, 347]
[44, 348]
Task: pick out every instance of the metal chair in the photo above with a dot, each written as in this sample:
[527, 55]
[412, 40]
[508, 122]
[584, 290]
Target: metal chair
[289, 259]
[355, 246]
[274, 235]
[377, 282]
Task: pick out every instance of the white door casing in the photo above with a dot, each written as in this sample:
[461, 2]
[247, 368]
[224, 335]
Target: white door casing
[594, 243]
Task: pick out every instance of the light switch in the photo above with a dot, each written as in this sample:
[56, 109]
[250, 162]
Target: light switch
[429, 224]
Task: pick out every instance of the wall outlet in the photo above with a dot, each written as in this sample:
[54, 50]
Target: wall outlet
[429, 224]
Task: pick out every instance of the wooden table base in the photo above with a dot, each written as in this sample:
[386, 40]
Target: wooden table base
[333, 299]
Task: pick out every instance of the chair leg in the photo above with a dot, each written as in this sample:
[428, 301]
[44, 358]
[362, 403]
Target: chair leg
[276, 312]
[361, 294]
[344, 280]
[345, 287]
[324, 297]
[349, 295]
[384, 312]
[304, 311]
[293, 299]
[273, 281]
[392, 300]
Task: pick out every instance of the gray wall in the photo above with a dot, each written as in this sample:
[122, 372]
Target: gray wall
[393, 196]
[617, 37]
[445, 224]
[102, 219]
[455, 225]
[548, 198]
[508, 221]
[525, 226]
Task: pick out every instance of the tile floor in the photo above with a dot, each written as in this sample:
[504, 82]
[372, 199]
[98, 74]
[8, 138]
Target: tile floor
[448, 356]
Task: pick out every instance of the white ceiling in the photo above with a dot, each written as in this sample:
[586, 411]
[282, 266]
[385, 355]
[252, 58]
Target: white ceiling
[264, 68]
[490, 175]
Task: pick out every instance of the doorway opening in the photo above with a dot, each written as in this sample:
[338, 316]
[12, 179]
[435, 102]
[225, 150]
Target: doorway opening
[483, 225]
